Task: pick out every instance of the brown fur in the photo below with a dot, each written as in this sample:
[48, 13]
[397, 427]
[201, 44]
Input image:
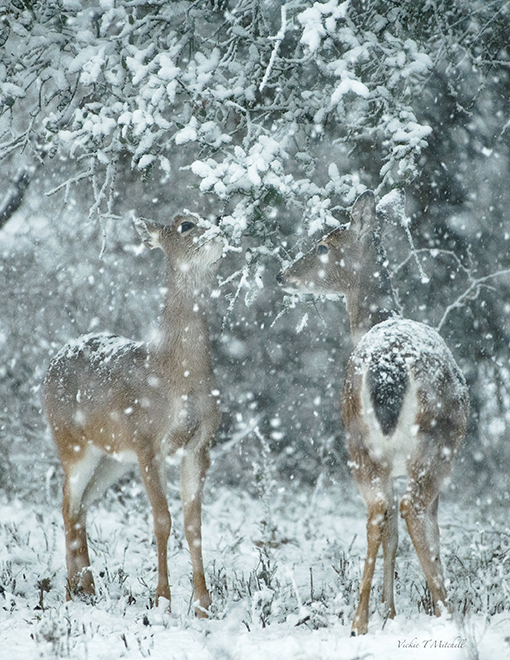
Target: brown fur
[107, 399]
[350, 261]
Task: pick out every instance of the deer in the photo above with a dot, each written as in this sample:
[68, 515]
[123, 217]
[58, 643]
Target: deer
[405, 403]
[113, 403]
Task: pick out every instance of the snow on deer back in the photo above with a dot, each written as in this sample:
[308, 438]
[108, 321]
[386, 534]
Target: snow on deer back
[403, 384]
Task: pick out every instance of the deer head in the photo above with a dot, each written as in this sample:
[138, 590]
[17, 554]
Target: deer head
[335, 263]
[190, 243]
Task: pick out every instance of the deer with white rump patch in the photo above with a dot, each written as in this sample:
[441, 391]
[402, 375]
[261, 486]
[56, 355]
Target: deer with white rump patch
[405, 403]
[112, 402]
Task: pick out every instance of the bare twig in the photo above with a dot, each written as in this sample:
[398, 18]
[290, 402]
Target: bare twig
[432, 252]
[425, 279]
[237, 437]
[242, 282]
[470, 293]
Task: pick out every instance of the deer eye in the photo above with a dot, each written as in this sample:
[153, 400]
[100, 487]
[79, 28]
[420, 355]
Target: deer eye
[185, 226]
[322, 249]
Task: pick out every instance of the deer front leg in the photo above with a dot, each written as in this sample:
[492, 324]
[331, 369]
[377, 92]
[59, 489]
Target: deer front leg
[194, 466]
[153, 475]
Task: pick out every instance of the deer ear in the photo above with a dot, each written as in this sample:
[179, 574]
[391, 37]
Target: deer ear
[149, 232]
[363, 214]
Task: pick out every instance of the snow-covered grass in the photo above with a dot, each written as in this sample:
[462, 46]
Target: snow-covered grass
[283, 569]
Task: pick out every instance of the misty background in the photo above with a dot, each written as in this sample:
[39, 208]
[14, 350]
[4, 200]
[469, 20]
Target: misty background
[274, 116]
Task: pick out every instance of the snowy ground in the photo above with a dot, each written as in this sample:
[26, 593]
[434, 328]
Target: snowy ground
[283, 570]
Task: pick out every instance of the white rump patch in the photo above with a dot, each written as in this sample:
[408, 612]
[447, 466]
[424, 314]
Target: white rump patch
[394, 449]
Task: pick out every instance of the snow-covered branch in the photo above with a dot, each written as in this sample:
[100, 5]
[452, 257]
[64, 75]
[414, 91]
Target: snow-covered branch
[278, 40]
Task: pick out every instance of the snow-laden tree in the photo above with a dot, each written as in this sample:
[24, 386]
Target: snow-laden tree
[246, 94]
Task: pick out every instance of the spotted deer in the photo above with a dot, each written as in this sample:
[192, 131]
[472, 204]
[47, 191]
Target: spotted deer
[113, 402]
[404, 403]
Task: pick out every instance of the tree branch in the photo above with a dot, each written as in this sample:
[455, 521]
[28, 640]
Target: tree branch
[470, 294]
[278, 40]
[14, 195]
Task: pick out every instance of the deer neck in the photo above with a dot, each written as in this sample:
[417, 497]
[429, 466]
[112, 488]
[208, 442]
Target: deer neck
[183, 353]
[371, 299]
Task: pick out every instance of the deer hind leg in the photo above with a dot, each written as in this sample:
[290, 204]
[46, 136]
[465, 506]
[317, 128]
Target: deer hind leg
[153, 474]
[194, 466]
[390, 544]
[419, 508]
[379, 504]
